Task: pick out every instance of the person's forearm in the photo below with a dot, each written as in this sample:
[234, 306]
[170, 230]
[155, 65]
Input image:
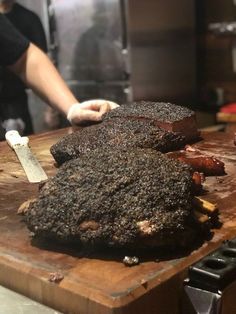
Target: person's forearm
[38, 72]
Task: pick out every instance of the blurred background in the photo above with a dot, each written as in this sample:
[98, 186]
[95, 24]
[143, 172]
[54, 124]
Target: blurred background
[180, 51]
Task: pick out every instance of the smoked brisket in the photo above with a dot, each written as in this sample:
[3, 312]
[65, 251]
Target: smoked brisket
[114, 133]
[168, 116]
[119, 198]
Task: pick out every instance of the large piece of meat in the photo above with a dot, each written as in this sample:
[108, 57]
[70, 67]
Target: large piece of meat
[113, 133]
[168, 116]
[117, 197]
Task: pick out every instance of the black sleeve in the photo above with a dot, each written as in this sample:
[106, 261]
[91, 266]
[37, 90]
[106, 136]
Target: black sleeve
[37, 34]
[12, 43]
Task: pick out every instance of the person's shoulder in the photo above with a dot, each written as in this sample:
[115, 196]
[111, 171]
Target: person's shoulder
[25, 12]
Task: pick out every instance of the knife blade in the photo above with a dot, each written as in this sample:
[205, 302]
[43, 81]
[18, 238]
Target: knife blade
[29, 162]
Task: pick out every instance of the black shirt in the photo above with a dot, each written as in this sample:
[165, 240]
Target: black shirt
[30, 26]
[12, 43]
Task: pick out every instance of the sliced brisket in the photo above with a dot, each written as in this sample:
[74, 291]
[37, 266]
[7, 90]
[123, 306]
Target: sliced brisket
[165, 115]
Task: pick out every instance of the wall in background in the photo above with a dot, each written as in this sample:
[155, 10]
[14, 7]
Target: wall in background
[216, 76]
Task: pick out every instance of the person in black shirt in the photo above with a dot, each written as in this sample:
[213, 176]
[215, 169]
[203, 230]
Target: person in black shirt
[36, 70]
[12, 44]
[14, 110]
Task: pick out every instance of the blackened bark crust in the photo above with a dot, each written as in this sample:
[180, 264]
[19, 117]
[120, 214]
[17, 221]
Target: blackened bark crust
[101, 198]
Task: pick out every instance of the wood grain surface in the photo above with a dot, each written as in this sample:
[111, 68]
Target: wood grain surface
[98, 282]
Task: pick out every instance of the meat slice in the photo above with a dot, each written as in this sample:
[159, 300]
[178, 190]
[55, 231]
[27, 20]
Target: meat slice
[165, 115]
[113, 133]
[208, 165]
[119, 198]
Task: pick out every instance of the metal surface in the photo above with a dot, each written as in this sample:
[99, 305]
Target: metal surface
[30, 164]
[211, 284]
[149, 46]
[90, 40]
[201, 301]
[92, 47]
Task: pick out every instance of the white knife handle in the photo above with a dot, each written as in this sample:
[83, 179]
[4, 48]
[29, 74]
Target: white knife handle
[13, 138]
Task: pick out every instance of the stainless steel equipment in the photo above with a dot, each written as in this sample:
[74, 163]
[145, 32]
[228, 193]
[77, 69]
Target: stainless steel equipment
[123, 49]
[211, 286]
[92, 47]
[126, 49]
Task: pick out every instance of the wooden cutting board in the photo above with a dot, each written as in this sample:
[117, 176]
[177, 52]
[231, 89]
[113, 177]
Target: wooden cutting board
[98, 282]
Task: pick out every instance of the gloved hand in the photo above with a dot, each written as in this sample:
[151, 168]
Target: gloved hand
[90, 110]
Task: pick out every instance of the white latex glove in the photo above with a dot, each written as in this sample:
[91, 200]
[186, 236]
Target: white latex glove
[90, 110]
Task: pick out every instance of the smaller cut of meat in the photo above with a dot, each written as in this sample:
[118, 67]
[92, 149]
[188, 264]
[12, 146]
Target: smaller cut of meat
[114, 133]
[208, 165]
[165, 115]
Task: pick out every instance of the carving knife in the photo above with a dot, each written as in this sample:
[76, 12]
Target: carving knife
[30, 164]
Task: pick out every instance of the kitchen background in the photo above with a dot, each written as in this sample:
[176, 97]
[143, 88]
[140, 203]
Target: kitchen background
[128, 50]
